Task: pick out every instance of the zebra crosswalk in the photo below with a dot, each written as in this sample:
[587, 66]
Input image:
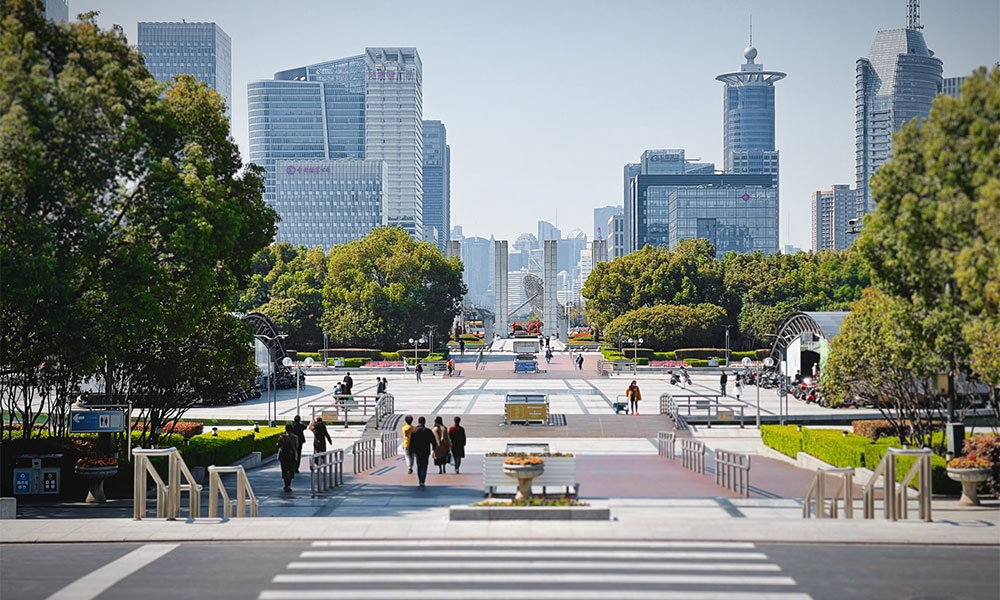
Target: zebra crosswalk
[532, 569]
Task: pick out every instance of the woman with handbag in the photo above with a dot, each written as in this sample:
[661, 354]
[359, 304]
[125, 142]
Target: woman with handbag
[443, 450]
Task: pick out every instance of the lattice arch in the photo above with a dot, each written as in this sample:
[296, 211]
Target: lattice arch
[823, 324]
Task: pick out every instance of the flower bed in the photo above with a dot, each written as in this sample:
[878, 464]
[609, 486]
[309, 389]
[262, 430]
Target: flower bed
[525, 454]
[90, 462]
[381, 364]
[535, 501]
[668, 363]
[967, 462]
[524, 461]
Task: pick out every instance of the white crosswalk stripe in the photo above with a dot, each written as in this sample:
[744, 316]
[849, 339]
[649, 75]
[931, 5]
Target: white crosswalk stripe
[532, 569]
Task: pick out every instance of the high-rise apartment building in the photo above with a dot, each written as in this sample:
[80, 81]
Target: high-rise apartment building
[629, 171]
[831, 211]
[601, 216]
[437, 182]
[952, 86]
[57, 11]
[894, 84]
[477, 263]
[200, 49]
[360, 107]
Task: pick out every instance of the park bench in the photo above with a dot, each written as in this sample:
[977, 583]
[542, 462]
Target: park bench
[560, 473]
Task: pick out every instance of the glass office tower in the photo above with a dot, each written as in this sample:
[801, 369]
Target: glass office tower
[437, 182]
[200, 49]
[895, 83]
[831, 211]
[748, 117]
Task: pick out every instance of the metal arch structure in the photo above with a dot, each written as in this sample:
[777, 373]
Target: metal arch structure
[263, 326]
[823, 324]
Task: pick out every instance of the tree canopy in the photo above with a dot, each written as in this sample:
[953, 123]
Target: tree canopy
[128, 217]
[385, 288]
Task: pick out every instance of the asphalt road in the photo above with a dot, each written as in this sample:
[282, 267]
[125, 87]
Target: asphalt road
[497, 569]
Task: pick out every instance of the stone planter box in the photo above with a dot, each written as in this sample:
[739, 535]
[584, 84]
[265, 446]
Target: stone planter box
[528, 513]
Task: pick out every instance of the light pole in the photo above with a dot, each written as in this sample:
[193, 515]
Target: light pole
[416, 346]
[727, 345]
[635, 346]
[268, 340]
[288, 363]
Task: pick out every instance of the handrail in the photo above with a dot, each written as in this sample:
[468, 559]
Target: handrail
[385, 406]
[732, 471]
[668, 406]
[816, 495]
[673, 405]
[364, 455]
[326, 470]
[693, 455]
[168, 496]
[390, 444]
[244, 493]
[895, 497]
[665, 444]
[344, 404]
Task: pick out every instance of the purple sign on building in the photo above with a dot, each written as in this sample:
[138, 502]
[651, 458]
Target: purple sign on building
[746, 197]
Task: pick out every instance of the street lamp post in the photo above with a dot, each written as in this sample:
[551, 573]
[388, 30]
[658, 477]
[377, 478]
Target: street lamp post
[288, 363]
[727, 345]
[635, 346]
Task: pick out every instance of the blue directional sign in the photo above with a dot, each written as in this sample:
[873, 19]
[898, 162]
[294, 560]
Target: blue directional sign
[22, 481]
[96, 421]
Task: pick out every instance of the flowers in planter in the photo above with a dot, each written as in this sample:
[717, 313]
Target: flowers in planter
[523, 454]
[969, 462]
[102, 461]
[523, 460]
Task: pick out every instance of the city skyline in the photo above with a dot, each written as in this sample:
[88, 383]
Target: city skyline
[536, 125]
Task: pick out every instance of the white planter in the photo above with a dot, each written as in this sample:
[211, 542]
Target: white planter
[970, 479]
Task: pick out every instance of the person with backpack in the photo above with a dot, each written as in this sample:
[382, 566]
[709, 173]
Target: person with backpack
[288, 452]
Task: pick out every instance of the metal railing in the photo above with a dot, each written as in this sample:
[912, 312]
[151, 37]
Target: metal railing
[385, 406]
[816, 496]
[326, 470]
[693, 455]
[607, 367]
[665, 444]
[680, 408]
[364, 455]
[168, 495]
[895, 498]
[732, 471]
[390, 444]
[244, 493]
[669, 407]
[344, 405]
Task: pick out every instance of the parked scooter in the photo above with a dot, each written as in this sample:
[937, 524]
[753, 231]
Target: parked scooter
[674, 378]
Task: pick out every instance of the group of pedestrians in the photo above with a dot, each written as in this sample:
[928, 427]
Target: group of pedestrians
[738, 382]
[290, 445]
[443, 443]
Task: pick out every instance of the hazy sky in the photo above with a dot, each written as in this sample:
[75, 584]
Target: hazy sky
[546, 101]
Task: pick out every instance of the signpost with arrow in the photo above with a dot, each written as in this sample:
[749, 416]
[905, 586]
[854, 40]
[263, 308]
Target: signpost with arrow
[96, 421]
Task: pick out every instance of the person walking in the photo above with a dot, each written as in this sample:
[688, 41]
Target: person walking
[442, 448]
[348, 384]
[480, 362]
[299, 429]
[579, 361]
[451, 367]
[379, 386]
[634, 396]
[407, 432]
[419, 370]
[722, 382]
[738, 385]
[288, 452]
[548, 354]
[457, 435]
[320, 435]
[461, 347]
[421, 444]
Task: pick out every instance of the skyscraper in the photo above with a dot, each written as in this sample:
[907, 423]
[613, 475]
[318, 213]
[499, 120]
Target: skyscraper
[831, 211]
[601, 216]
[629, 171]
[895, 83]
[437, 182]
[394, 130]
[548, 231]
[360, 107]
[748, 117]
[200, 49]
[57, 10]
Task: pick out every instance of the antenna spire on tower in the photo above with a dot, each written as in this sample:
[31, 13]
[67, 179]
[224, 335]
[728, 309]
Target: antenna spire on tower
[913, 14]
[751, 31]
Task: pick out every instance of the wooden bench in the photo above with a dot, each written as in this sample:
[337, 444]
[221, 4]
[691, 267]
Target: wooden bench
[560, 472]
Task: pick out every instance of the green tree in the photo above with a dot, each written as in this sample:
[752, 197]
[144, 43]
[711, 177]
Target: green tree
[934, 240]
[127, 215]
[385, 288]
[670, 326]
[688, 274]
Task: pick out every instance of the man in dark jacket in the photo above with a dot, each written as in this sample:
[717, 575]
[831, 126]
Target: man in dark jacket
[348, 384]
[320, 436]
[421, 444]
[723, 379]
[299, 429]
[380, 388]
[457, 434]
[288, 446]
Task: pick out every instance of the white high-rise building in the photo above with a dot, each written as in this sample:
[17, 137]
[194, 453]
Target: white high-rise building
[394, 131]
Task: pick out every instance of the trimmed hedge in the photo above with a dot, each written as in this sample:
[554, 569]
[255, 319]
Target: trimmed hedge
[390, 356]
[685, 353]
[372, 353]
[350, 363]
[265, 441]
[664, 356]
[642, 362]
[225, 449]
[833, 447]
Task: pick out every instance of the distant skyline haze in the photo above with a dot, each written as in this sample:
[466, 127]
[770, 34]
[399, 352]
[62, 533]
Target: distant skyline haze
[545, 102]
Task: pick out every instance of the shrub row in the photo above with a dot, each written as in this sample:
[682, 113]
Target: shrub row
[186, 429]
[851, 450]
[265, 441]
[665, 355]
[875, 428]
